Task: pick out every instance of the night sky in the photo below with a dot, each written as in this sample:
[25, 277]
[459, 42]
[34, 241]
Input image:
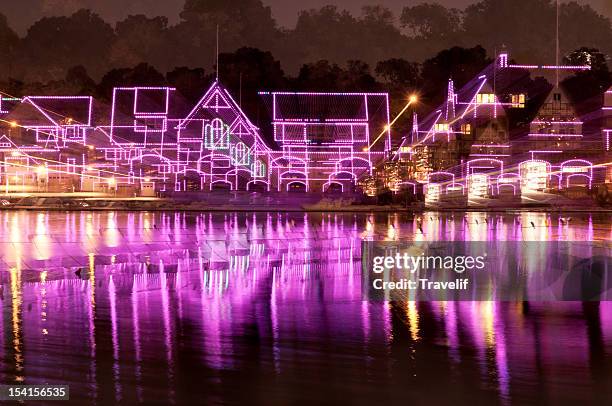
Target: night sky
[21, 13]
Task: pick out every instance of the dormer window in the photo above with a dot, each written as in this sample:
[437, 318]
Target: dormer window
[557, 97]
[485, 98]
[441, 127]
[518, 101]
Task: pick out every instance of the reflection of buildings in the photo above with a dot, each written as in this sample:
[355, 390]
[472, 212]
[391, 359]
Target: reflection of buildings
[478, 143]
[148, 142]
[126, 325]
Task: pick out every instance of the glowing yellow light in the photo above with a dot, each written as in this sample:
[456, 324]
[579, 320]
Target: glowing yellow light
[413, 98]
[14, 124]
[147, 179]
[89, 168]
[387, 127]
[16, 178]
[91, 147]
[111, 181]
[365, 149]
[41, 170]
[15, 153]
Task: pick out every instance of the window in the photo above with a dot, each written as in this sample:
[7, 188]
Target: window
[557, 97]
[466, 128]
[241, 154]
[322, 134]
[258, 169]
[485, 98]
[144, 124]
[441, 127]
[518, 101]
[216, 135]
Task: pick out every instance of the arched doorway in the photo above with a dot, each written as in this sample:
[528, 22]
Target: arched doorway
[296, 187]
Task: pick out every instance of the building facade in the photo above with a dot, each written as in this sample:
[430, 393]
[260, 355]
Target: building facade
[468, 146]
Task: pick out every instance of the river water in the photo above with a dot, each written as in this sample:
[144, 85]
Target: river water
[266, 308]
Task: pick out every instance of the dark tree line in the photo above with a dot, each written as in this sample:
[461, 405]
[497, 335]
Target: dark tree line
[52, 45]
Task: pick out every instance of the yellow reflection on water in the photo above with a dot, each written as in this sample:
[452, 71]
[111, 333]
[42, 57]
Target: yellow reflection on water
[487, 311]
[535, 226]
[92, 279]
[368, 233]
[391, 233]
[16, 238]
[145, 220]
[16, 302]
[91, 310]
[89, 228]
[413, 319]
[42, 242]
[477, 226]
[111, 236]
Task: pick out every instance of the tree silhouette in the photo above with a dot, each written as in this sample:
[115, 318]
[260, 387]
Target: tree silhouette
[399, 73]
[141, 75]
[431, 21]
[142, 39]
[190, 83]
[54, 44]
[459, 64]
[527, 28]
[78, 78]
[584, 85]
[241, 23]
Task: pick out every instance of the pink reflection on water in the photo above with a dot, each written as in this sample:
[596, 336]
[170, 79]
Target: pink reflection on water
[278, 278]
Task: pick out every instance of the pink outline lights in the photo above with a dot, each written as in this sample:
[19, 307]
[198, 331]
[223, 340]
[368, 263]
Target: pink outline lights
[148, 140]
[468, 136]
[319, 142]
[327, 139]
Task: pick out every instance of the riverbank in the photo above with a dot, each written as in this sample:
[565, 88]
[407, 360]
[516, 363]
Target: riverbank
[255, 202]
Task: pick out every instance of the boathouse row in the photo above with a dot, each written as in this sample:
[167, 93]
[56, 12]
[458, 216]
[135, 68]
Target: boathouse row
[469, 148]
[146, 142]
